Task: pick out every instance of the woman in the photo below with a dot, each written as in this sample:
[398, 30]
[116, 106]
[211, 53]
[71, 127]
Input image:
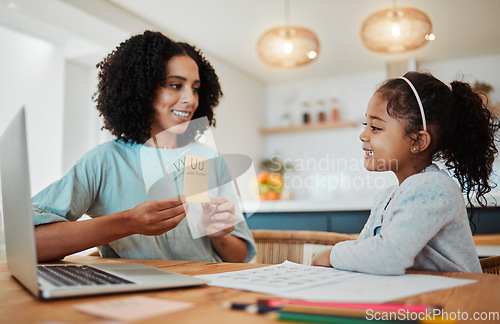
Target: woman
[150, 88]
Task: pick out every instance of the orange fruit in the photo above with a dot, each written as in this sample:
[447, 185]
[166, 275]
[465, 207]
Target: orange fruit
[262, 197]
[263, 176]
[271, 195]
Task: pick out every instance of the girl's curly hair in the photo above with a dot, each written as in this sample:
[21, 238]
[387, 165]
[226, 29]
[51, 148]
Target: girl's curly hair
[128, 77]
[462, 128]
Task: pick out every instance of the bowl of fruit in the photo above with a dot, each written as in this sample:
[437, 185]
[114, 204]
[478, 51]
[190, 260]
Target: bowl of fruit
[270, 185]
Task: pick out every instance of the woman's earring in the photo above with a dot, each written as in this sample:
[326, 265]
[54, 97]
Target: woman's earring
[414, 149]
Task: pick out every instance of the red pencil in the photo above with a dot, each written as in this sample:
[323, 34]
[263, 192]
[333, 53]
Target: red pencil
[386, 307]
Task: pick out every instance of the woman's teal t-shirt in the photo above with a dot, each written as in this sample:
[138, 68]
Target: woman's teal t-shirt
[117, 176]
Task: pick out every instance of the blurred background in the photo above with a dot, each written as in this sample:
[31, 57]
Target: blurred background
[49, 50]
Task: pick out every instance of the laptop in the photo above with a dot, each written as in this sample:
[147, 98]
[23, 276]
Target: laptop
[50, 281]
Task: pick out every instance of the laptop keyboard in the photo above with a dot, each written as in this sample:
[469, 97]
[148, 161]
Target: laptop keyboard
[78, 275]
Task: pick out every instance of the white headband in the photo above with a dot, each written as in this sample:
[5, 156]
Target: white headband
[424, 123]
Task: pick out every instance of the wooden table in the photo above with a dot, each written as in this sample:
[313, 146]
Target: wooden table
[17, 306]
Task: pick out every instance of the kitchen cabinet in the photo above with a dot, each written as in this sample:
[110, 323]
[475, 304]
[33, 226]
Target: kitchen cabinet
[340, 222]
[348, 221]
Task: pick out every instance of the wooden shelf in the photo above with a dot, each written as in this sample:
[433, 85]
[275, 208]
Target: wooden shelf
[306, 127]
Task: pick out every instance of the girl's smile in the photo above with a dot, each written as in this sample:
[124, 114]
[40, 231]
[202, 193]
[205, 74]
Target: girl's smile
[368, 154]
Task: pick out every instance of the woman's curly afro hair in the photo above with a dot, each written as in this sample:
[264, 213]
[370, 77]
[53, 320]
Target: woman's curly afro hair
[129, 75]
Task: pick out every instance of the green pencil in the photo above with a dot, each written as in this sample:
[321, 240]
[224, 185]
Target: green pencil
[320, 318]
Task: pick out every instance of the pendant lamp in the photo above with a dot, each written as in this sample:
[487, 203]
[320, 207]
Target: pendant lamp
[288, 46]
[396, 30]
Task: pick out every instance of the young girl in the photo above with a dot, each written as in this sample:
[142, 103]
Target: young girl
[422, 224]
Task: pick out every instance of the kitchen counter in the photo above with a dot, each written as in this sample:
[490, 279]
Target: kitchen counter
[279, 206]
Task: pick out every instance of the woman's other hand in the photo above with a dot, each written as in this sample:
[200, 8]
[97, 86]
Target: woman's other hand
[218, 216]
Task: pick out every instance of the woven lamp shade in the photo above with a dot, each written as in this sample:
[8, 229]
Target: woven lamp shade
[415, 28]
[288, 46]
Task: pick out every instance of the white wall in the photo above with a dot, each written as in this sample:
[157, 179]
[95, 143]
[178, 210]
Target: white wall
[82, 124]
[33, 76]
[32, 73]
[335, 155]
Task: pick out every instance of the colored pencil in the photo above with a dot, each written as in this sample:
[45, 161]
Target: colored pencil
[386, 307]
[320, 318]
[325, 310]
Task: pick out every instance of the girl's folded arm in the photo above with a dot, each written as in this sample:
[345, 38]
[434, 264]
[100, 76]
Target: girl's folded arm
[394, 250]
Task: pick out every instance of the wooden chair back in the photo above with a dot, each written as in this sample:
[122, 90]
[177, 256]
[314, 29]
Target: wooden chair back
[276, 246]
[491, 265]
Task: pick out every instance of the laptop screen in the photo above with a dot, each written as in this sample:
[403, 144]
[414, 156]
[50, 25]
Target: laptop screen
[16, 198]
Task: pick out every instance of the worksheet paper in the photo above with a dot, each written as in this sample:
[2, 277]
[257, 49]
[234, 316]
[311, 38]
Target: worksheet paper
[298, 281]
